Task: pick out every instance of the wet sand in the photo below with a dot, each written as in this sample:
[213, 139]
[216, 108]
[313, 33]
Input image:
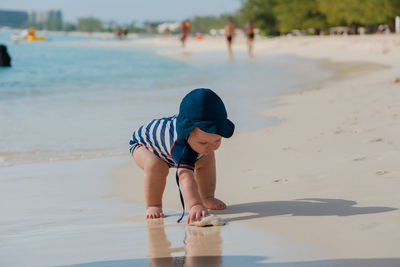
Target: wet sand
[323, 183]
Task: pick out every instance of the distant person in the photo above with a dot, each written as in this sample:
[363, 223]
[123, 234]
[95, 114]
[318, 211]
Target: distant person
[5, 59]
[185, 31]
[118, 33]
[230, 34]
[167, 32]
[124, 34]
[250, 36]
[31, 33]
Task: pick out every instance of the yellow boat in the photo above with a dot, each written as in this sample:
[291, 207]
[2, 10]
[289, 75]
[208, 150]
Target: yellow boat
[30, 36]
[27, 38]
[34, 38]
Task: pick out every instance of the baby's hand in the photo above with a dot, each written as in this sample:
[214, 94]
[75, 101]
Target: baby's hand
[196, 213]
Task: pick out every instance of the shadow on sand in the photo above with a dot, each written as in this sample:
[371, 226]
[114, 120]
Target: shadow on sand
[300, 207]
[248, 261]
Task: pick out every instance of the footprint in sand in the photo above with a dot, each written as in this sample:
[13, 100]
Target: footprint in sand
[282, 180]
[382, 172]
[397, 80]
[376, 140]
[256, 187]
[360, 159]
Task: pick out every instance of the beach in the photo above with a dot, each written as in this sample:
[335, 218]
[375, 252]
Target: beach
[314, 185]
[326, 177]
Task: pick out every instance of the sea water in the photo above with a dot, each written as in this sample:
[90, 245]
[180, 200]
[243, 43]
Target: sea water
[68, 107]
[70, 98]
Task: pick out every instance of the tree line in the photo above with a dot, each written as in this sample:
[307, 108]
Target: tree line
[272, 17]
[275, 17]
[89, 24]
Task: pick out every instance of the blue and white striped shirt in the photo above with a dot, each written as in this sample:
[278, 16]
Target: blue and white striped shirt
[160, 137]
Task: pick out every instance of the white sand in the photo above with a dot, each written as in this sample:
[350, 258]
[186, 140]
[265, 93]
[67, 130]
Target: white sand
[326, 178]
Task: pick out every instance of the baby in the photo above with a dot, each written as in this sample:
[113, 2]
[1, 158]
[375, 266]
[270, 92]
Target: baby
[186, 141]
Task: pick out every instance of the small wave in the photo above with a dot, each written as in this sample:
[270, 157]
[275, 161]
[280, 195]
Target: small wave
[9, 158]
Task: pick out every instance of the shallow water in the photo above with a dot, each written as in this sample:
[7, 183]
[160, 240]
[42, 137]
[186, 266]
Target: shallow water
[69, 99]
[67, 110]
[65, 213]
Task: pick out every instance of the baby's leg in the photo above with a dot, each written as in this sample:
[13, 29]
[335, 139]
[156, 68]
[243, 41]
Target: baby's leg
[206, 178]
[155, 176]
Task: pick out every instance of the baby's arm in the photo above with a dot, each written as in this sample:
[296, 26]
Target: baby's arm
[191, 195]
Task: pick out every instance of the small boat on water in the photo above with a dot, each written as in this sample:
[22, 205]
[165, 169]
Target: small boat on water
[28, 38]
[29, 35]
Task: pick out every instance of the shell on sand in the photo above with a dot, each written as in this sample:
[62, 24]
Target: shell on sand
[210, 220]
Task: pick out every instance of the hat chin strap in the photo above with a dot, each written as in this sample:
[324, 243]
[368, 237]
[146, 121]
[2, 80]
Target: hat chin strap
[179, 187]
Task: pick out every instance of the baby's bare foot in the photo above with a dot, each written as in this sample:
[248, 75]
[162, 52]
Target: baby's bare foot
[214, 203]
[154, 212]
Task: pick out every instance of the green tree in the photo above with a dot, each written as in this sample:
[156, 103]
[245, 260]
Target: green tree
[383, 11]
[261, 12]
[342, 12]
[89, 25]
[299, 14]
[282, 16]
[69, 27]
[364, 12]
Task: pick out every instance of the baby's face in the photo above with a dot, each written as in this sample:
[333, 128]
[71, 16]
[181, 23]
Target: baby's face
[203, 142]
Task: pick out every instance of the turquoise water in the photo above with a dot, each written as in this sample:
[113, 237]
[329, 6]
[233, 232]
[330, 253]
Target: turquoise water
[70, 98]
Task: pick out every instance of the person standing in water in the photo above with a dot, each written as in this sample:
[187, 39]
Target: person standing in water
[229, 35]
[250, 37]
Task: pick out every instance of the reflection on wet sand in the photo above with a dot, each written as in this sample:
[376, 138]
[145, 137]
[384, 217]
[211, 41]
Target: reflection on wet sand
[202, 246]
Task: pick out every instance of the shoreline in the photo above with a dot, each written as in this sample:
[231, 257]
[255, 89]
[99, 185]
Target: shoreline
[338, 193]
[319, 187]
[341, 71]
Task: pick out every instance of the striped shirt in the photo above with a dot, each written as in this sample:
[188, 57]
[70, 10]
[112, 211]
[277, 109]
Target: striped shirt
[160, 137]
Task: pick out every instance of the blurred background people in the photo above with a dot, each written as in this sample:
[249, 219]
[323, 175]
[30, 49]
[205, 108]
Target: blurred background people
[124, 34]
[229, 34]
[185, 31]
[118, 33]
[250, 36]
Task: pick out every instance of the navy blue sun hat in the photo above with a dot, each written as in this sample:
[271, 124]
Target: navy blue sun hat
[204, 109]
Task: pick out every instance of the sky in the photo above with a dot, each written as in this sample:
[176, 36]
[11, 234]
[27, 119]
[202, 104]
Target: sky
[126, 11]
